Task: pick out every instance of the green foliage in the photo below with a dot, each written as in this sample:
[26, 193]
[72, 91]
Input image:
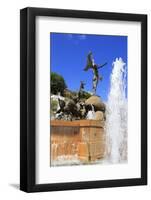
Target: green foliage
[69, 94]
[54, 105]
[57, 83]
[85, 95]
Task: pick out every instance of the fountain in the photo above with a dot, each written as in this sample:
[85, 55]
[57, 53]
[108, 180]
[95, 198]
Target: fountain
[78, 134]
[116, 118]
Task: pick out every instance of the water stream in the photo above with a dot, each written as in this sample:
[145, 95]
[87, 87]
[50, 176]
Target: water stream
[116, 123]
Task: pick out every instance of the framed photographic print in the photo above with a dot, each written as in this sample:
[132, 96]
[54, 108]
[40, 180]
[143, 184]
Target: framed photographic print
[83, 99]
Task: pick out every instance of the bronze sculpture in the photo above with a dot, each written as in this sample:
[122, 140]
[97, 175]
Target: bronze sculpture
[95, 68]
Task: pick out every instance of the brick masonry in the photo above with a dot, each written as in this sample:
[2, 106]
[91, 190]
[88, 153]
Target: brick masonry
[83, 138]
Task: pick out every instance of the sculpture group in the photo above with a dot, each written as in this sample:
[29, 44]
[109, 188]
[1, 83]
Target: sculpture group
[76, 107]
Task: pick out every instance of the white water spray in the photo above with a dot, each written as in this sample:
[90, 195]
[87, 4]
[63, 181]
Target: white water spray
[91, 113]
[116, 123]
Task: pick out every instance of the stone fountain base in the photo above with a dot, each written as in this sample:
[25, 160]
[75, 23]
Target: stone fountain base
[80, 139]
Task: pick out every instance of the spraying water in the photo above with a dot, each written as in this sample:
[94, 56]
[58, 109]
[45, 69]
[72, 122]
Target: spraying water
[116, 123]
[91, 113]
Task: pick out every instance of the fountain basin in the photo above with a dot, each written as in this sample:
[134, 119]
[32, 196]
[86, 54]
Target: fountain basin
[80, 139]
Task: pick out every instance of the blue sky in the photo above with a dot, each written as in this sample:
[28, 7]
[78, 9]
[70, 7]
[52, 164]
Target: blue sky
[68, 55]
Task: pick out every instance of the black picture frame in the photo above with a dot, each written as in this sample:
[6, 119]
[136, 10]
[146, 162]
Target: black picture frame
[28, 99]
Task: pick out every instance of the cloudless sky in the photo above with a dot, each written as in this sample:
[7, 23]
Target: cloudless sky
[68, 56]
